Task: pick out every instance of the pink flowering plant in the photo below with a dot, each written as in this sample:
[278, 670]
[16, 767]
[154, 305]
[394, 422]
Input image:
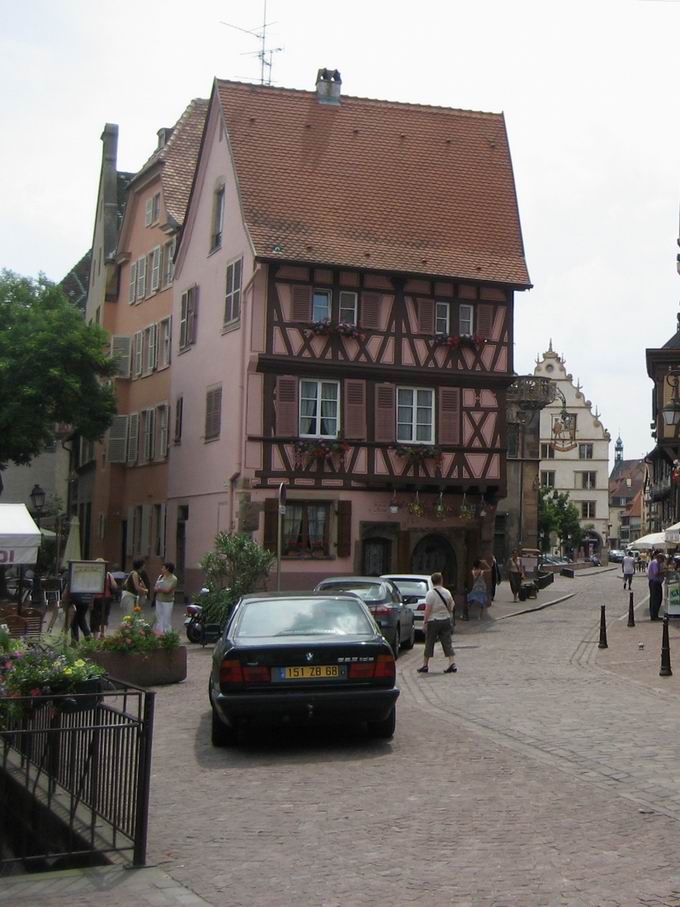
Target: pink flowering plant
[135, 634]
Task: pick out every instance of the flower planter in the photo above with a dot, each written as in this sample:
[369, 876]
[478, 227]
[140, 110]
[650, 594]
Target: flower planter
[144, 669]
[87, 697]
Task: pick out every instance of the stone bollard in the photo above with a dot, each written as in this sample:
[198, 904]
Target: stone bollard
[631, 612]
[665, 651]
[603, 629]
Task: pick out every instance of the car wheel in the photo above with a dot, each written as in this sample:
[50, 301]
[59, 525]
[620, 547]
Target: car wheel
[194, 632]
[384, 729]
[396, 642]
[221, 735]
[411, 641]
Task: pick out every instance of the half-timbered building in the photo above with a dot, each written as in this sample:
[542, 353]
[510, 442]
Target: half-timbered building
[344, 295]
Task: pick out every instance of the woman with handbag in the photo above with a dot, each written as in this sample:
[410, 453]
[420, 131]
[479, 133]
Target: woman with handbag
[438, 618]
[133, 588]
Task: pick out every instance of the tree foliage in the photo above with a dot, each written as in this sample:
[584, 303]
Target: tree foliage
[51, 366]
[556, 513]
[234, 567]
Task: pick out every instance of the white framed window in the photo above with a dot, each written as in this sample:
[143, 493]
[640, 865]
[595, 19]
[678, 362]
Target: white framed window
[149, 436]
[348, 307]
[548, 478]
[585, 451]
[232, 302]
[588, 510]
[415, 415]
[132, 287]
[168, 262]
[218, 219]
[141, 277]
[321, 305]
[319, 409]
[588, 480]
[161, 431]
[188, 317]
[465, 320]
[133, 439]
[165, 342]
[547, 452]
[441, 318]
[155, 262]
[150, 348]
[148, 212]
[139, 353]
[156, 208]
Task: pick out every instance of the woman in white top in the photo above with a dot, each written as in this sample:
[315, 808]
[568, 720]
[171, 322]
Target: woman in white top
[438, 612]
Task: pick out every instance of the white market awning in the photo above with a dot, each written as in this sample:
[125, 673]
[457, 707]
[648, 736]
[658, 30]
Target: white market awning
[19, 536]
[653, 540]
[672, 534]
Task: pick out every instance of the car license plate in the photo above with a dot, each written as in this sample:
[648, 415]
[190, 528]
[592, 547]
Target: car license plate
[312, 672]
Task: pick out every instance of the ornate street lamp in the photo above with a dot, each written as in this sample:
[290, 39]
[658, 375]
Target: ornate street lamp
[37, 497]
[671, 411]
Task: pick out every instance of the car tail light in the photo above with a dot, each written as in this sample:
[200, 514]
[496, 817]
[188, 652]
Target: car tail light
[362, 670]
[385, 668]
[421, 606]
[381, 611]
[256, 674]
[231, 672]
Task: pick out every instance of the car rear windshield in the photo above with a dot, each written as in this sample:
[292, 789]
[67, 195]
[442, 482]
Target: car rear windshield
[368, 592]
[411, 586]
[302, 617]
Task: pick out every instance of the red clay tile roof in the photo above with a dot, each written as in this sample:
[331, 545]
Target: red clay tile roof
[179, 155]
[375, 184]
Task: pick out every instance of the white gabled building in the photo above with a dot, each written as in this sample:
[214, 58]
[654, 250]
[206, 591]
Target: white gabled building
[575, 451]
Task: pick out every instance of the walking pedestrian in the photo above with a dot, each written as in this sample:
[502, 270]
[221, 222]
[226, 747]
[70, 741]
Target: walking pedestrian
[438, 617]
[495, 576]
[76, 605]
[479, 594]
[164, 590]
[134, 587]
[515, 572]
[101, 606]
[144, 576]
[655, 575]
[628, 567]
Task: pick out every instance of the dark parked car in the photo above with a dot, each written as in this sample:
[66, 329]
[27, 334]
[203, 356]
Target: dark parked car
[385, 603]
[616, 556]
[299, 658]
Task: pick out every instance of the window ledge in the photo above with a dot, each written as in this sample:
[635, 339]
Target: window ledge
[231, 326]
[214, 249]
[308, 557]
[184, 349]
[210, 440]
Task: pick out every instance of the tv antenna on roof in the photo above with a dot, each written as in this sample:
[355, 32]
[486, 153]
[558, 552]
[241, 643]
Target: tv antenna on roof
[264, 54]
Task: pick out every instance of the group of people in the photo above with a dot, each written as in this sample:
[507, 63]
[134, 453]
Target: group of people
[90, 614]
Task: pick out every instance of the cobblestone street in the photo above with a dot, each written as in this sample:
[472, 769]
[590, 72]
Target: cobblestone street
[546, 772]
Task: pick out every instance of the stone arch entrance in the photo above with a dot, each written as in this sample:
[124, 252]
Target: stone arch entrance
[592, 542]
[434, 554]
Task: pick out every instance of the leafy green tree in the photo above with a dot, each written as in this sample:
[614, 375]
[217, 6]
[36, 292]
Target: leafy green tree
[556, 513]
[235, 566]
[51, 368]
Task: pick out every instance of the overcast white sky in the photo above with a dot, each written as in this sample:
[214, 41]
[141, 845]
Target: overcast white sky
[589, 89]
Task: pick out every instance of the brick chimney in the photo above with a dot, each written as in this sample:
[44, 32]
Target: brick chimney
[328, 85]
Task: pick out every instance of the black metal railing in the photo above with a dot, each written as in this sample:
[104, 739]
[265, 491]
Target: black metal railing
[74, 776]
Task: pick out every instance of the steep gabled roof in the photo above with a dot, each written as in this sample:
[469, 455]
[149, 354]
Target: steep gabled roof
[178, 156]
[375, 184]
[75, 283]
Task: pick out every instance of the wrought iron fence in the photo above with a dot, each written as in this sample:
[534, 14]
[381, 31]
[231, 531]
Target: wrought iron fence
[74, 776]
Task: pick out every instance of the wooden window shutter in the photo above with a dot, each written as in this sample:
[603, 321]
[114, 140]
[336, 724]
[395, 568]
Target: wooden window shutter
[121, 352]
[449, 415]
[117, 446]
[370, 310]
[355, 409]
[484, 321]
[385, 415]
[133, 439]
[301, 309]
[145, 536]
[426, 316]
[344, 528]
[287, 406]
[271, 516]
[192, 316]
[213, 412]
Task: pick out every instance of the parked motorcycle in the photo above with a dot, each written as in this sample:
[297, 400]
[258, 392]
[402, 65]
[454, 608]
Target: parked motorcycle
[193, 621]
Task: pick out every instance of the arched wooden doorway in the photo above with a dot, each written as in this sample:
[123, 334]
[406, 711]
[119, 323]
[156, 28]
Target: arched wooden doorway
[434, 554]
[376, 556]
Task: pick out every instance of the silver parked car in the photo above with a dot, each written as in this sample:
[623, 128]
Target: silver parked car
[383, 600]
[413, 587]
